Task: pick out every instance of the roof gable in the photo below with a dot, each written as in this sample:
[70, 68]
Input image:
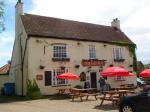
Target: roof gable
[67, 29]
[4, 69]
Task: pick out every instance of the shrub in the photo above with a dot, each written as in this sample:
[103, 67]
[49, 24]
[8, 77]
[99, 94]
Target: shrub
[33, 91]
[78, 86]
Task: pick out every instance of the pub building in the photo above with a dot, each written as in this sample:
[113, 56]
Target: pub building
[45, 47]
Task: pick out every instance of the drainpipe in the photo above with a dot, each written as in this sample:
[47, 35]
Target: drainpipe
[22, 63]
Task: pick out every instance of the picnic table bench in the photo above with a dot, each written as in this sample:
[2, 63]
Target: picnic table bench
[75, 93]
[114, 100]
[113, 96]
[63, 90]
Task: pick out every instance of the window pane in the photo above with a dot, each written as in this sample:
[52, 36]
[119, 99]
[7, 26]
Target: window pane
[59, 51]
[48, 78]
[117, 53]
[92, 53]
[59, 81]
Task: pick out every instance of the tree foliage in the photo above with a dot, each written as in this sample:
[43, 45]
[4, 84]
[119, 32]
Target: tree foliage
[132, 49]
[2, 25]
[147, 66]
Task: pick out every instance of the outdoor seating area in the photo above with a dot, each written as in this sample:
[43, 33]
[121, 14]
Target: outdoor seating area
[102, 96]
[79, 93]
[75, 93]
[113, 95]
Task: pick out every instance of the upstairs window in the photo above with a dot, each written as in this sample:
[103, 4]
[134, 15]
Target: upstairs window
[119, 78]
[92, 52]
[117, 53]
[60, 51]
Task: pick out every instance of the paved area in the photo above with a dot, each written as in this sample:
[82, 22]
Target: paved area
[63, 105]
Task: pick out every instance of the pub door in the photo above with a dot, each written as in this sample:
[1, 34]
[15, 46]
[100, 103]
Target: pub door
[93, 80]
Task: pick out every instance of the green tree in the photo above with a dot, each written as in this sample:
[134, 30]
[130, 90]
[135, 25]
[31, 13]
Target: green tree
[147, 66]
[2, 25]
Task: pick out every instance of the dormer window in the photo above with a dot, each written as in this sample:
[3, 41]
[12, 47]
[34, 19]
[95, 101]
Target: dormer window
[92, 52]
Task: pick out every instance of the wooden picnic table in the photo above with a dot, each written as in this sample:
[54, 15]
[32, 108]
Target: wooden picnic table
[127, 85]
[63, 90]
[124, 88]
[75, 93]
[113, 96]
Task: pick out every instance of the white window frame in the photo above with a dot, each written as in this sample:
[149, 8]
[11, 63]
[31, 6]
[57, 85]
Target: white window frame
[119, 78]
[56, 81]
[92, 52]
[60, 51]
[117, 53]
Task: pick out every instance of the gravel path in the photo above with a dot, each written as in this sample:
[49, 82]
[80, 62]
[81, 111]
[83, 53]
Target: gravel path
[47, 105]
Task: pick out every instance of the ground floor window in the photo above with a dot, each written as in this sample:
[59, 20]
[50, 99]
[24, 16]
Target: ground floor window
[48, 78]
[56, 72]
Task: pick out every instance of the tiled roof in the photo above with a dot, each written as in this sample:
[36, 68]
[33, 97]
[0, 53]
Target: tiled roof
[66, 29]
[4, 69]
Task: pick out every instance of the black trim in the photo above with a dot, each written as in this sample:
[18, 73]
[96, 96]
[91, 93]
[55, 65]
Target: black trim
[42, 67]
[61, 59]
[77, 39]
[119, 60]
[130, 65]
[111, 65]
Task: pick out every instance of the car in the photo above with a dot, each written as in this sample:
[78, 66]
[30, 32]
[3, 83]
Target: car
[136, 103]
[140, 82]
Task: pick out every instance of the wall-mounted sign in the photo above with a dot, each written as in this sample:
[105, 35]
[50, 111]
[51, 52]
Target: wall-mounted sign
[39, 77]
[91, 62]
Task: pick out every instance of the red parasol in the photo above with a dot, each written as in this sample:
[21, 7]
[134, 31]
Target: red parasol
[145, 73]
[68, 76]
[114, 71]
[130, 74]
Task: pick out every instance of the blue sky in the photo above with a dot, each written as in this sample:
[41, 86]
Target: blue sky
[7, 37]
[133, 14]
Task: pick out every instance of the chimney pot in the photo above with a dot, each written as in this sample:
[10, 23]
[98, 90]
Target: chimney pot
[115, 23]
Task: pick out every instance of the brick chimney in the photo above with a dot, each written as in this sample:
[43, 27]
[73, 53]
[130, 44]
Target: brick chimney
[18, 12]
[116, 23]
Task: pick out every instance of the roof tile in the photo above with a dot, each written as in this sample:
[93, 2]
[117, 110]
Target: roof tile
[4, 69]
[66, 29]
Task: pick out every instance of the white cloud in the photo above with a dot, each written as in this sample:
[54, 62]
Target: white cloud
[6, 42]
[134, 16]
[6, 38]
[11, 1]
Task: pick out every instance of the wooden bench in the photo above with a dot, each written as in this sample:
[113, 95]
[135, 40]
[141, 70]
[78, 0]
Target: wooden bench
[75, 93]
[73, 96]
[114, 100]
[91, 94]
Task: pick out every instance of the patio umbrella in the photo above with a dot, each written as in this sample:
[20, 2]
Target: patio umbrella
[145, 73]
[130, 74]
[68, 76]
[114, 71]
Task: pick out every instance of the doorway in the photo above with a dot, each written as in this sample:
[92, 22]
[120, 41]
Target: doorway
[93, 80]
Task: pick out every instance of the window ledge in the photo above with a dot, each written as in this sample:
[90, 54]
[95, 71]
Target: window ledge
[93, 59]
[61, 59]
[119, 60]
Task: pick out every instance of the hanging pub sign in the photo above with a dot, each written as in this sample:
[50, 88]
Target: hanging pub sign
[91, 62]
[39, 77]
